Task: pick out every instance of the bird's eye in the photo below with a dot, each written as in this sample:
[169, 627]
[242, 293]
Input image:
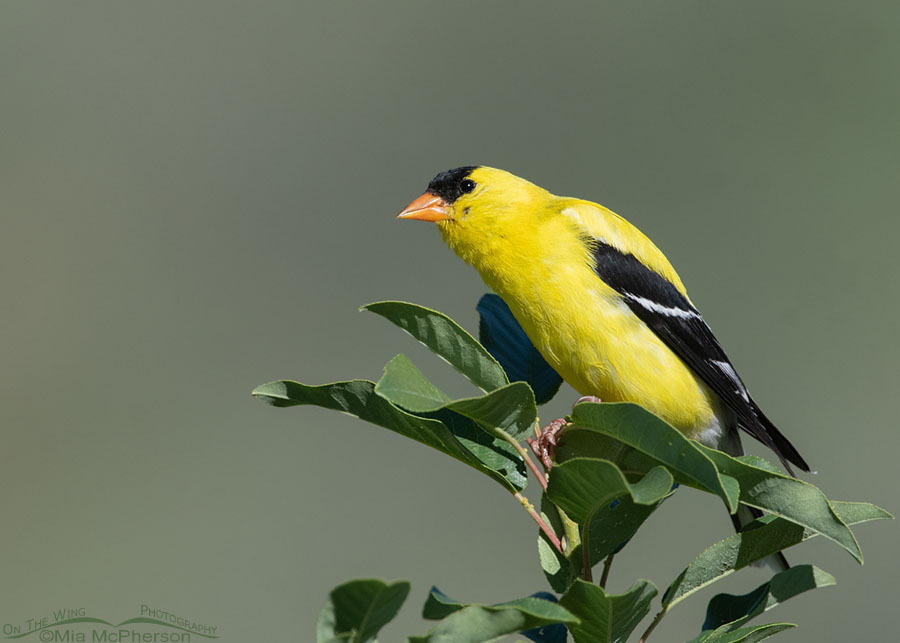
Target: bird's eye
[467, 185]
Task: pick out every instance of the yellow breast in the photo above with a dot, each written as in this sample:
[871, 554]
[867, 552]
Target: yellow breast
[593, 340]
[585, 331]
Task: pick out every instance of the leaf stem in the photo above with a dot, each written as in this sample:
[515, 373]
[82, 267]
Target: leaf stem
[523, 453]
[656, 620]
[538, 474]
[548, 531]
[605, 575]
[586, 571]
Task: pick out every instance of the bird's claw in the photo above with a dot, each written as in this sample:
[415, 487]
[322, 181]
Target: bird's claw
[544, 446]
[586, 398]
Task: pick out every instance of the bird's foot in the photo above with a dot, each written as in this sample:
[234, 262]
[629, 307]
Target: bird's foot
[544, 445]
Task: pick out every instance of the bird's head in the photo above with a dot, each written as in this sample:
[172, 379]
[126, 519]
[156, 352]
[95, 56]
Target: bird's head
[477, 208]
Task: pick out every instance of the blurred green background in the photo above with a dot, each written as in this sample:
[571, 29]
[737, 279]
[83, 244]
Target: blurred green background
[197, 196]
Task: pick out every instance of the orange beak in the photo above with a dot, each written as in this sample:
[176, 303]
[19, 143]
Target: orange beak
[427, 207]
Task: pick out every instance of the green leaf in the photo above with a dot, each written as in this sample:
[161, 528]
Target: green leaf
[607, 618]
[787, 497]
[358, 397]
[560, 571]
[583, 486]
[615, 524]
[771, 535]
[439, 605]
[759, 463]
[612, 526]
[700, 466]
[733, 611]
[447, 339]
[473, 623]
[603, 493]
[556, 567]
[853, 513]
[638, 428]
[405, 385]
[761, 538]
[357, 610]
[743, 634]
[495, 453]
[510, 408]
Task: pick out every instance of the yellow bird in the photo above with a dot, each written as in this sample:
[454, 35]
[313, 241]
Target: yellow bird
[599, 301]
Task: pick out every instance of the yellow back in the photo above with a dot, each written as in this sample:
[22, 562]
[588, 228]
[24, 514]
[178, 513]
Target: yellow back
[507, 223]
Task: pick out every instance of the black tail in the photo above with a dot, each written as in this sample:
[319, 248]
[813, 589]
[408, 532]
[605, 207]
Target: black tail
[782, 447]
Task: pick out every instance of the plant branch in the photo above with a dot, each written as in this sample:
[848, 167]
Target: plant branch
[656, 620]
[538, 474]
[526, 456]
[548, 531]
[586, 552]
[605, 575]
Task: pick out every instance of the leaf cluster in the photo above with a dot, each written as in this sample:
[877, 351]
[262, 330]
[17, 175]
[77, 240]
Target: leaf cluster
[617, 465]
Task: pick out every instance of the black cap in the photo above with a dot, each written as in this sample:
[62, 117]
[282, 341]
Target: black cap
[448, 185]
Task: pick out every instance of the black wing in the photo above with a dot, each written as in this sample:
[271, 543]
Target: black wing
[677, 323]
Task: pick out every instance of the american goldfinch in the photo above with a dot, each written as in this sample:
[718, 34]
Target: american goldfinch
[599, 301]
